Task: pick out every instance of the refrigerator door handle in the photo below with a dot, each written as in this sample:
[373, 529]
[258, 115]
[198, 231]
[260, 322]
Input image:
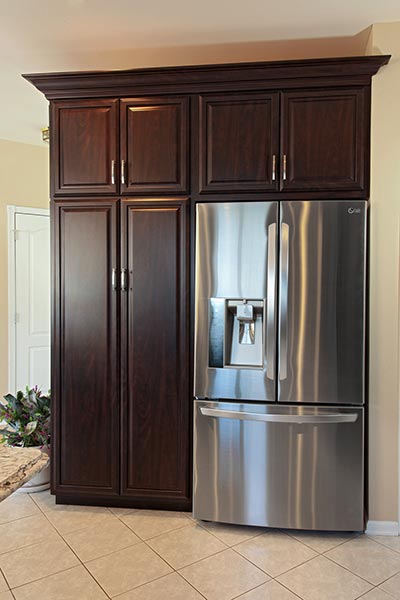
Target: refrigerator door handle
[283, 304]
[276, 418]
[270, 326]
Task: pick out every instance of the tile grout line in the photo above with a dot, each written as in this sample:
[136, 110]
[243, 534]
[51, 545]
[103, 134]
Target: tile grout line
[82, 563]
[349, 570]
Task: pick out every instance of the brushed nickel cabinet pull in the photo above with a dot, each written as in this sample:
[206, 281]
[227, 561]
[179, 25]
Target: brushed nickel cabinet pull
[122, 172]
[112, 172]
[124, 280]
[114, 278]
[273, 167]
[284, 168]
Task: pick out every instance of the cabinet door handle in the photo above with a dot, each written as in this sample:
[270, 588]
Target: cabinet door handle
[124, 280]
[284, 168]
[112, 172]
[122, 172]
[273, 167]
[114, 279]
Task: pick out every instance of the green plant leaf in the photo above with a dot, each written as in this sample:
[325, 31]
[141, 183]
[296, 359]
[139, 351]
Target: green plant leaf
[30, 427]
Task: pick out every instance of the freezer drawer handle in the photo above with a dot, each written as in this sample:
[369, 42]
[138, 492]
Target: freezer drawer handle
[298, 419]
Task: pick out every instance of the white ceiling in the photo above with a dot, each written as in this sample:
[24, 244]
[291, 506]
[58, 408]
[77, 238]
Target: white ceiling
[55, 35]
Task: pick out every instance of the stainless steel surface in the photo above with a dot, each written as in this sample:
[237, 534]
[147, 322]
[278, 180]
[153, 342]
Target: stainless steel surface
[124, 284]
[279, 418]
[271, 302]
[273, 167]
[123, 172]
[283, 293]
[322, 309]
[284, 160]
[301, 475]
[114, 279]
[112, 172]
[232, 250]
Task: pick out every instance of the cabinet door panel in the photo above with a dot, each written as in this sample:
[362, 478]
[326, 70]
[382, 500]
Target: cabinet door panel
[85, 353]
[239, 139]
[84, 137]
[156, 398]
[154, 143]
[324, 139]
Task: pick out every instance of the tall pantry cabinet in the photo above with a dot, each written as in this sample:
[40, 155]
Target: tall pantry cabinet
[131, 154]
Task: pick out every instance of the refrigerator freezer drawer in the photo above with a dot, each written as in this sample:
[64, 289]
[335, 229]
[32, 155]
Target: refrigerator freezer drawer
[297, 467]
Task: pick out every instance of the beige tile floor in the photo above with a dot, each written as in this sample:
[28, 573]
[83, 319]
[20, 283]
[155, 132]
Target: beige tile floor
[54, 552]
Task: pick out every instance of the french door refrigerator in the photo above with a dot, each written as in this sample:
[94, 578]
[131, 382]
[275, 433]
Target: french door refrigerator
[280, 364]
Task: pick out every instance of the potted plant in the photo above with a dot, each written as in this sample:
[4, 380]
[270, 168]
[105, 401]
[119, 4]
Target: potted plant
[27, 420]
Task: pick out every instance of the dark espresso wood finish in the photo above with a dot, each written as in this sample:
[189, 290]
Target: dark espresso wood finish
[203, 79]
[85, 351]
[155, 407]
[207, 132]
[154, 145]
[83, 145]
[239, 142]
[325, 140]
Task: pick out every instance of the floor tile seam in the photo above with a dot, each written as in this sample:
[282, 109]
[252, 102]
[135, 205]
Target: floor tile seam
[159, 534]
[82, 564]
[42, 541]
[94, 526]
[74, 530]
[17, 587]
[286, 587]
[5, 579]
[283, 572]
[321, 552]
[36, 503]
[19, 518]
[352, 572]
[375, 587]
[370, 537]
[177, 570]
[157, 579]
[220, 540]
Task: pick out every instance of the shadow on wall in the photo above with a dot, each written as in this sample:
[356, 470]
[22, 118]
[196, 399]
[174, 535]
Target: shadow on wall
[222, 53]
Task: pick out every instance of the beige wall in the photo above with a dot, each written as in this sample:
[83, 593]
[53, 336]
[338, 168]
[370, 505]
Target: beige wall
[23, 182]
[384, 250]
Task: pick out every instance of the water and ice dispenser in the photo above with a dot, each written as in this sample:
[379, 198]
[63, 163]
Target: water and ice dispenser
[236, 333]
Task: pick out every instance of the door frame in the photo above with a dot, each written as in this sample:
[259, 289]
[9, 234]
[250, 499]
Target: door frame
[12, 211]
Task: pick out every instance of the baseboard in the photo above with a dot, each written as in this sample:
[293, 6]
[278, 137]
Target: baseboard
[382, 528]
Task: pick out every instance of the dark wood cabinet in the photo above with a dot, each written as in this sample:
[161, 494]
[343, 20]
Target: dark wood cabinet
[324, 140]
[239, 142]
[155, 352]
[131, 154]
[154, 143]
[84, 147]
[85, 348]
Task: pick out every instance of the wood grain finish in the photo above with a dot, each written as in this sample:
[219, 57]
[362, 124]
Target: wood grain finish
[324, 137]
[83, 143]
[274, 75]
[156, 398]
[240, 137]
[85, 352]
[154, 145]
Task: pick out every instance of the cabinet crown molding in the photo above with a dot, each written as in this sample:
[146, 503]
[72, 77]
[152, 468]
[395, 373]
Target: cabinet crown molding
[288, 74]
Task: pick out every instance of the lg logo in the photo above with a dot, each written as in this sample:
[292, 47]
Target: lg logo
[353, 211]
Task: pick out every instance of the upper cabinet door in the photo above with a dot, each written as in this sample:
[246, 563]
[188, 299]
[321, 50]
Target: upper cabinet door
[84, 142]
[324, 140]
[154, 145]
[239, 142]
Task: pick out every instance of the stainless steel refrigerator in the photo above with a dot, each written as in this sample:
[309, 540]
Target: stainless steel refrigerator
[280, 364]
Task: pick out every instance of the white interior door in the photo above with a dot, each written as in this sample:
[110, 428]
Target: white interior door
[31, 352]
